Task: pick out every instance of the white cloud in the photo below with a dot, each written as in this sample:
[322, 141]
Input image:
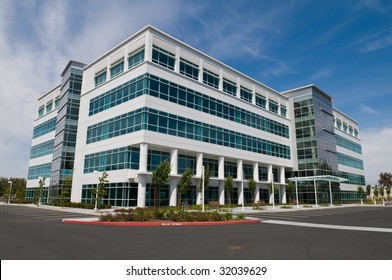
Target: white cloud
[368, 110]
[377, 152]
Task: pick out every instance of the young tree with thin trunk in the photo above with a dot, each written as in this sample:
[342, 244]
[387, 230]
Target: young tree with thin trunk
[229, 188]
[65, 190]
[252, 188]
[207, 176]
[101, 189]
[184, 184]
[160, 178]
[360, 192]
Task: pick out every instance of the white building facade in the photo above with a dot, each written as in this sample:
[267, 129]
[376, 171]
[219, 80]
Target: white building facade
[153, 98]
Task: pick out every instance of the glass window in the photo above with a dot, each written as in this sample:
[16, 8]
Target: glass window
[49, 107]
[246, 94]
[273, 106]
[283, 111]
[229, 87]
[100, 78]
[57, 102]
[117, 69]
[41, 111]
[260, 101]
[189, 69]
[163, 57]
[136, 58]
[210, 78]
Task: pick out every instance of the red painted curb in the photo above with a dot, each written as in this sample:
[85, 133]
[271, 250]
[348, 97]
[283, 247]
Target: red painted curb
[158, 224]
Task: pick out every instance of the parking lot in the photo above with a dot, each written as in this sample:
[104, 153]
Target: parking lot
[37, 233]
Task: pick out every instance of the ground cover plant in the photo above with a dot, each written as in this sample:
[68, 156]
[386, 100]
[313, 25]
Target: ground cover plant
[168, 214]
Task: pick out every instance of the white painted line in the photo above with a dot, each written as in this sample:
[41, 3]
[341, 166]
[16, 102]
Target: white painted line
[373, 229]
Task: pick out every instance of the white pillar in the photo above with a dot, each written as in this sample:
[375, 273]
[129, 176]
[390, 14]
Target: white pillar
[177, 61]
[221, 177]
[254, 95]
[173, 191]
[238, 87]
[199, 164]
[220, 86]
[173, 181]
[198, 194]
[221, 187]
[201, 63]
[221, 168]
[143, 157]
[283, 186]
[174, 161]
[270, 180]
[256, 178]
[240, 177]
[315, 192]
[148, 47]
[141, 191]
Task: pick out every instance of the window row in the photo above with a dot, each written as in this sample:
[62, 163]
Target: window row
[191, 70]
[44, 128]
[347, 129]
[115, 159]
[48, 107]
[42, 170]
[350, 161]
[42, 149]
[347, 144]
[172, 92]
[117, 68]
[153, 120]
[353, 179]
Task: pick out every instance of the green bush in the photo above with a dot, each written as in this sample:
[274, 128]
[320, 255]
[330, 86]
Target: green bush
[170, 214]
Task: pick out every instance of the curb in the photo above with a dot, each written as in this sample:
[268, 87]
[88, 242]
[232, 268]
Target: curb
[158, 224]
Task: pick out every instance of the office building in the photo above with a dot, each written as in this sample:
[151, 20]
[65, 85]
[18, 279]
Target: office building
[153, 98]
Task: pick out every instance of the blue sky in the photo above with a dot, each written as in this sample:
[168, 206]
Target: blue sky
[343, 47]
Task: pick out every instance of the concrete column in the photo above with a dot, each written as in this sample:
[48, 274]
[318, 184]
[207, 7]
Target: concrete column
[148, 47]
[174, 161]
[256, 178]
[141, 191]
[221, 168]
[201, 63]
[220, 79]
[270, 179]
[239, 87]
[198, 194]
[254, 95]
[240, 176]
[221, 187]
[279, 107]
[173, 191]
[177, 61]
[283, 186]
[199, 164]
[143, 157]
[267, 101]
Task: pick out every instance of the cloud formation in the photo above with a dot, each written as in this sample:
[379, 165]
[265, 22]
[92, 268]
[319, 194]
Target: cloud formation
[377, 152]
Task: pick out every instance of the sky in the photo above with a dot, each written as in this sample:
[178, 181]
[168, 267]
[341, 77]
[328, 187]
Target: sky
[343, 47]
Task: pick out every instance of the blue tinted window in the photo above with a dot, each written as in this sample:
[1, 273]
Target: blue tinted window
[117, 69]
[210, 78]
[229, 87]
[136, 58]
[189, 69]
[100, 78]
[163, 58]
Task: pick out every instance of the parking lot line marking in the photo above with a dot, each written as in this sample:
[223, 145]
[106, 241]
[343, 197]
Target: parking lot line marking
[355, 228]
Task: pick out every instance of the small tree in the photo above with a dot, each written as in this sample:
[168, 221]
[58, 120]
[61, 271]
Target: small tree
[252, 188]
[39, 191]
[375, 193]
[229, 188]
[290, 190]
[160, 177]
[100, 191]
[381, 192]
[368, 191]
[207, 176]
[184, 184]
[65, 190]
[360, 192]
[388, 193]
